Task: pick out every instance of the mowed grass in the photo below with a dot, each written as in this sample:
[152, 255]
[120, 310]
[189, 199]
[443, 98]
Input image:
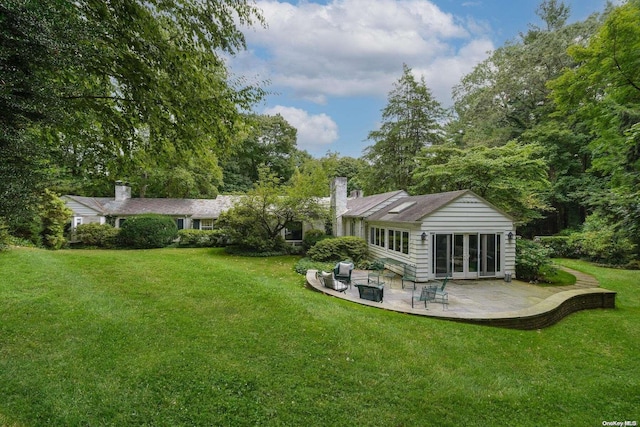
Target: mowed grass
[197, 337]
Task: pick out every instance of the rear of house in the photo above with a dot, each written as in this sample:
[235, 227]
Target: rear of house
[455, 234]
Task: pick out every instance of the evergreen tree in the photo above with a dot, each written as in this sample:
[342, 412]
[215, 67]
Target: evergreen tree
[410, 121]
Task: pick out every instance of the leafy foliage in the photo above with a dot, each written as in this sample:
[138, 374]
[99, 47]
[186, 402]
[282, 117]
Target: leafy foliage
[54, 215]
[513, 176]
[532, 260]
[94, 89]
[200, 238]
[147, 231]
[602, 94]
[410, 122]
[311, 237]
[339, 248]
[257, 221]
[5, 237]
[603, 242]
[97, 235]
[305, 264]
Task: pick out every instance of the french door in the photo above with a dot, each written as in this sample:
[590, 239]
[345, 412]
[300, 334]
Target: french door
[466, 255]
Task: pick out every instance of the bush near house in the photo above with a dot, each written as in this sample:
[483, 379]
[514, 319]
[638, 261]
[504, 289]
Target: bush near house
[312, 237]
[97, 235]
[5, 237]
[147, 232]
[200, 238]
[532, 260]
[339, 248]
[54, 214]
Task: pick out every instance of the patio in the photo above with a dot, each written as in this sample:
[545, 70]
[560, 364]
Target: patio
[513, 304]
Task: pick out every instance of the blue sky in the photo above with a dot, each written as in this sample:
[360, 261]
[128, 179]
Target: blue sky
[330, 64]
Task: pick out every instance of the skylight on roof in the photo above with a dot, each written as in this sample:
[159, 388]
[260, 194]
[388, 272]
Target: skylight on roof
[401, 207]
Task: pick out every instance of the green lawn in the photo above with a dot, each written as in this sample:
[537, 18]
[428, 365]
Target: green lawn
[196, 337]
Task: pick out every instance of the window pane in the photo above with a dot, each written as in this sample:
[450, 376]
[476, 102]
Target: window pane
[398, 243]
[382, 233]
[391, 240]
[405, 242]
[293, 231]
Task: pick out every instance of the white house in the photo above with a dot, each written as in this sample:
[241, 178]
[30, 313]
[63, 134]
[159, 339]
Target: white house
[199, 214]
[456, 234]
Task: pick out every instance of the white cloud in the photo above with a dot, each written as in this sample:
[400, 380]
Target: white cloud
[314, 130]
[357, 47]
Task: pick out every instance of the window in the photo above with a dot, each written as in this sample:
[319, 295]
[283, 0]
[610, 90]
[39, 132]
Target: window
[195, 224]
[206, 224]
[392, 240]
[180, 223]
[78, 221]
[405, 242]
[378, 236]
[293, 231]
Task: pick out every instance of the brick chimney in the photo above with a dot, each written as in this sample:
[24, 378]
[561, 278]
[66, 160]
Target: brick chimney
[338, 204]
[123, 191]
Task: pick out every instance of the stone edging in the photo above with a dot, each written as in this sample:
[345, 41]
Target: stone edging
[541, 315]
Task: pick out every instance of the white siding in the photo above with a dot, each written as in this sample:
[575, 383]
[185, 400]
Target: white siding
[468, 214]
[81, 210]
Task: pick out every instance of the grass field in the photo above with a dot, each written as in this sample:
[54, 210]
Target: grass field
[197, 337]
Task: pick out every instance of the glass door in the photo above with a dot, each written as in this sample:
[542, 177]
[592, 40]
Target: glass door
[442, 255]
[489, 254]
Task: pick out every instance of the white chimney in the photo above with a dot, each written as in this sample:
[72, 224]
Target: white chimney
[123, 191]
[338, 204]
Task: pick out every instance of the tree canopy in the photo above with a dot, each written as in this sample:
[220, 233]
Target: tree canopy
[410, 121]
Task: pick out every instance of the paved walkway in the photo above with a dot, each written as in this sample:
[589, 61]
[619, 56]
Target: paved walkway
[481, 301]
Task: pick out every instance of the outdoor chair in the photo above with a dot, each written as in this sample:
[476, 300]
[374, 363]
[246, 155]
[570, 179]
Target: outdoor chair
[409, 275]
[342, 271]
[328, 280]
[440, 294]
[374, 275]
[426, 294]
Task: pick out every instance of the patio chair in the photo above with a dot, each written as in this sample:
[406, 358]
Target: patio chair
[377, 267]
[328, 280]
[409, 275]
[426, 294]
[342, 271]
[440, 294]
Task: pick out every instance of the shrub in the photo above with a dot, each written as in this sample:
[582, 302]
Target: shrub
[54, 215]
[99, 235]
[5, 237]
[305, 264]
[200, 238]
[559, 246]
[312, 237]
[147, 231]
[600, 241]
[532, 260]
[339, 248]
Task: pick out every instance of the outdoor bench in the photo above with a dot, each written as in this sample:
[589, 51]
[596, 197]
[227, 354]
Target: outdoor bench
[370, 292]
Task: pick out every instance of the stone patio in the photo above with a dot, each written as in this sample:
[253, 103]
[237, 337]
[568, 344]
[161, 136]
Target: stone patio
[512, 304]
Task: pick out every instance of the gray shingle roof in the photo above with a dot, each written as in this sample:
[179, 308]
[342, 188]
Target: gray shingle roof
[417, 207]
[361, 205]
[196, 208]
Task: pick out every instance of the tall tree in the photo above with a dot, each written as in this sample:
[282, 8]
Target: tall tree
[267, 141]
[410, 121]
[513, 177]
[507, 94]
[130, 79]
[602, 93]
[256, 222]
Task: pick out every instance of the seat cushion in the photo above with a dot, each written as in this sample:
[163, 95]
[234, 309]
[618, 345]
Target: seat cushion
[327, 279]
[344, 268]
